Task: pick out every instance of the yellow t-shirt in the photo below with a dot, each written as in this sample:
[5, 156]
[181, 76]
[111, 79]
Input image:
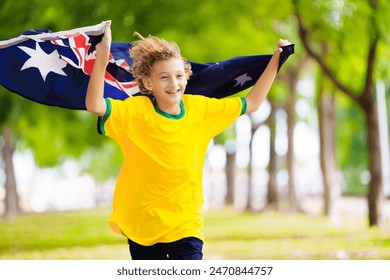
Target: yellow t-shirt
[158, 195]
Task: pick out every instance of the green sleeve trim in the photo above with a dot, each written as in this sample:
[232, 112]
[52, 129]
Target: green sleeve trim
[243, 109]
[102, 120]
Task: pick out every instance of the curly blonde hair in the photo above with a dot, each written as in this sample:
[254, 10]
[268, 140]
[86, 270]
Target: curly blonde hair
[146, 51]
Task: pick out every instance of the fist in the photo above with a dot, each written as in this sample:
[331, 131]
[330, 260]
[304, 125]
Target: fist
[103, 47]
[281, 43]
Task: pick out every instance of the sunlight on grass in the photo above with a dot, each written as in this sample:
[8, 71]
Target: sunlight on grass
[98, 252]
[229, 235]
[296, 236]
[57, 229]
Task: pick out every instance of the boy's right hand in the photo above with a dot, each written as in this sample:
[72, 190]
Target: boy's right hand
[94, 101]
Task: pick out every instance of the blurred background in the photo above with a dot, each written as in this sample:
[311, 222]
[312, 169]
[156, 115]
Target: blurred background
[315, 155]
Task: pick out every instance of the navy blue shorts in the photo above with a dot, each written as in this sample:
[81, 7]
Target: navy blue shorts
[189, 248]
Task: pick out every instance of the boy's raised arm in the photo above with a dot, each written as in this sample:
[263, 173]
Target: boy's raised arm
[261, 88]
[94, 101]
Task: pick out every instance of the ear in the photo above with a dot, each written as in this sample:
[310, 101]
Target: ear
[147, 83]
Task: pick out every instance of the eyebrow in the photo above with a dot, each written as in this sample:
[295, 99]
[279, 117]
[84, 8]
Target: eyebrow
[165, 72]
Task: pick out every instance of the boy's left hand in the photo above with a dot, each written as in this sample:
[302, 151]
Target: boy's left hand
[281, 43]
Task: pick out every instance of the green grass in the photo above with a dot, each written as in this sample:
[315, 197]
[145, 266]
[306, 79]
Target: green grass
[229, 235]
[283, 236]
[57, 235]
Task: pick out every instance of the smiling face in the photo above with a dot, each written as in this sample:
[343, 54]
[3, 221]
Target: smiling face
[167, 82]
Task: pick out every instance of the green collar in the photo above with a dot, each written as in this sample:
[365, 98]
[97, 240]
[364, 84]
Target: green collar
[169, 116]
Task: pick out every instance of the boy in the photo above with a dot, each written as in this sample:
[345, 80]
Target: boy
[164, 135]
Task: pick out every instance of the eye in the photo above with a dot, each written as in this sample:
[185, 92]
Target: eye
[180, 76]
[163, 77]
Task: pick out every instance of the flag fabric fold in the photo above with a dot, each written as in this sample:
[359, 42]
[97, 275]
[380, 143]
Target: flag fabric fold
[53, 68]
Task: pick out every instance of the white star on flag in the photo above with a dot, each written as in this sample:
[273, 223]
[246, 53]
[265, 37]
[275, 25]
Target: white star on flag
[241, 80]
[45, 63]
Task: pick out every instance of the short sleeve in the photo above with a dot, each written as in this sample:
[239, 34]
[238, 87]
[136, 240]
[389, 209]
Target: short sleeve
[102, 120]
[221, 113]
[114, 123]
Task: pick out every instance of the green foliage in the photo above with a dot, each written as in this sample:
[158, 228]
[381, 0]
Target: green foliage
[334, 28]
[55, 133]
[6, 106]
[351, 151]
[383, 71]
[102, 162]
[351, 135]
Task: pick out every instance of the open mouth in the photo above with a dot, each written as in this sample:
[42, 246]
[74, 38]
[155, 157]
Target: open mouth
[173, 91]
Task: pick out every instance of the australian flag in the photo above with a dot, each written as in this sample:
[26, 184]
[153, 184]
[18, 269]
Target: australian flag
[54, 68]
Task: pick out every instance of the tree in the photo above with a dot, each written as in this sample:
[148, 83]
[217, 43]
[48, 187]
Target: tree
[226, 139]
[291, 79]
[272, 194]
[251, 171]
[327, 120]
[12, 208]
[344, 31]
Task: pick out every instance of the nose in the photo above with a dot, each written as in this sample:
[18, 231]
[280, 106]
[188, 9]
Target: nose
[173, 82]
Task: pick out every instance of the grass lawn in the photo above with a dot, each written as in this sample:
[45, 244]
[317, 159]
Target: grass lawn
[229, 235]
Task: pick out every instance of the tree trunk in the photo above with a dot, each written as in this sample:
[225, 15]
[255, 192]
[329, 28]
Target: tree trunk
[230, 176]
[11, 196]
[254, 127]
[370, 107]
[375, 195]
[250, 179]
[272, 195]
[326, 120]
[291, 79]
[293, 205]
